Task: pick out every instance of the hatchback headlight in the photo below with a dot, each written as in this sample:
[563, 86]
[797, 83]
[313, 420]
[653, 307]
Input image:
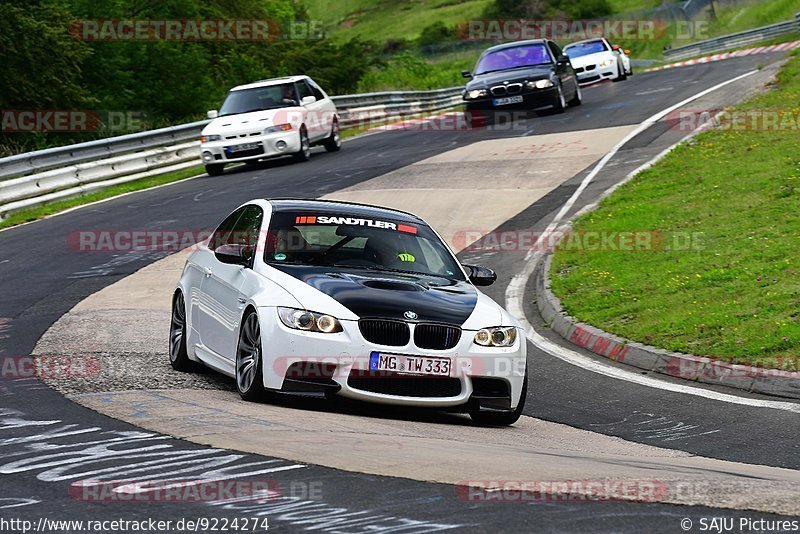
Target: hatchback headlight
[499, 336]
[309, 321]
[476, 93]
[539, 84]
[278, 128]
[210, 138]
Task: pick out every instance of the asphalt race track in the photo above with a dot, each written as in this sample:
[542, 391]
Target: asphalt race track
[47, 442]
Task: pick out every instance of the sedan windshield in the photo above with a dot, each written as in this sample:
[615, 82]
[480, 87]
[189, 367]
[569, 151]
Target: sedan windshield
[513, 58]
[355, 242]
[584, 49]
[259, 99]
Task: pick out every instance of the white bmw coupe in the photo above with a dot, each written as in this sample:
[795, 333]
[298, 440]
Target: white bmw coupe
[316, 298]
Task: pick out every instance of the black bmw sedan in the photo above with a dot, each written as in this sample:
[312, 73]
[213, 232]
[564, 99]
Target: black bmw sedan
[527, 75]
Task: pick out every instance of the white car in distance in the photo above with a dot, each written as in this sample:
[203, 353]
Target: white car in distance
[595, 60]
[269, 118]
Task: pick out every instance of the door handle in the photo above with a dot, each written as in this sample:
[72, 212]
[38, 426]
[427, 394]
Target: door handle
[209, 272]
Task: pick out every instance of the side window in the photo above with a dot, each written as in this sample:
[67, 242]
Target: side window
[246, 230]
[303, 90]
[223, 231]
[315, 89]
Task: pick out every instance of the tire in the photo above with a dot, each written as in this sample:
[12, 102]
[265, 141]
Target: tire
[215, 169]
[178, 355]
[249, 372]
[576, 100]
[333, 142]
[502, 418]
[558, 103]
[305, 146]
[622, 76]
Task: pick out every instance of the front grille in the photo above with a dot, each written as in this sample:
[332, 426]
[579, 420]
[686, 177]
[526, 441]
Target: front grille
[591, 67]
[499, 90]
[578, 70]
[382, 332]
[436, 337]
[395, 384]
[514, 88]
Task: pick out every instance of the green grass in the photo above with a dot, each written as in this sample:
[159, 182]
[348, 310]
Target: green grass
[408, 71]
[379, 20]
[735, 296]
[39, 212]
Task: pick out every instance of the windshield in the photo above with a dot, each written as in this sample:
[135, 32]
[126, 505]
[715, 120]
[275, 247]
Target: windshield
[513, 58]
[584, 49]
[355, 242]
[258, 99]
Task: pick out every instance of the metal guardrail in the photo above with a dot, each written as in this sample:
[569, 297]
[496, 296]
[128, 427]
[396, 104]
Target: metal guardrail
[44, 176]
[734, 40]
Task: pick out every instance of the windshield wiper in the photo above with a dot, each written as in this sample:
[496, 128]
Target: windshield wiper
[511, 68]
[405, 271]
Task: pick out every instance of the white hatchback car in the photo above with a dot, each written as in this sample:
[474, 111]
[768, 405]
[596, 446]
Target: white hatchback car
[270, 118]
[315, 298]
[595, 60]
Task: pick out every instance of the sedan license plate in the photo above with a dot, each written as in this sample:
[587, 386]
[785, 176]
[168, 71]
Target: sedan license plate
[243, 148]
[407, 364]
[507, 100]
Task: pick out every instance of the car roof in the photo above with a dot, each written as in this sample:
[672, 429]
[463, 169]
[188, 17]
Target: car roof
[585, 41]
[270, 81]
[350, 209]
[514, 45]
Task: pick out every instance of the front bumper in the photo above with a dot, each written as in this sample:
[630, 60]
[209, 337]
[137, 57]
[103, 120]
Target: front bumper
[487, 378]
[535, 99]
[268, 146]
[597, 74]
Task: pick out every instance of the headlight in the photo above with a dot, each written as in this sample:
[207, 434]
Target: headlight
[539, 84]
[309, 321]
[606, 62]
[278, 128]
[210, 138]
[476, 93]
[499, 336]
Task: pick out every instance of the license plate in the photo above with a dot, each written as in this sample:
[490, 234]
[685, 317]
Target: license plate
[407, 364]
[507, 100]
[244, 147]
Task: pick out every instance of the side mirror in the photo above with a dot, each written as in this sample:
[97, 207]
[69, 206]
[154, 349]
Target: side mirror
[212, 114]
[480, 276]
[563, 58]
[308, 100]
[615, 48]
[466, 74]
[235, 254]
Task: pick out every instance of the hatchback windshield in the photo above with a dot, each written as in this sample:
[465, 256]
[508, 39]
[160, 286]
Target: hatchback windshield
[356, 242]
[584, 49]
[513, 58]
[258, 99]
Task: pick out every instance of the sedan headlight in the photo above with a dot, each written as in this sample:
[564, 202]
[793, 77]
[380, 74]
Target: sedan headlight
[539, 84]
[210, 138]
[476, 93]
[309, 321]
[499, 336]
[278, 128]
[606, 62]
